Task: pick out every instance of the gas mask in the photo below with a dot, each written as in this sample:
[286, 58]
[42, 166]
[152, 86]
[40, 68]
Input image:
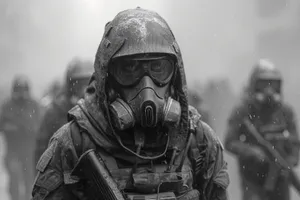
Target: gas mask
[144, 93]
[268, 92]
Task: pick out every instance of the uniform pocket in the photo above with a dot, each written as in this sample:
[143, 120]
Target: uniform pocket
[45, 183]
[49, 180]
[46, 157]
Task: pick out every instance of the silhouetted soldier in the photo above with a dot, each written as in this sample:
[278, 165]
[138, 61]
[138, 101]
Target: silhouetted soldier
[19, 120]
[274, 120]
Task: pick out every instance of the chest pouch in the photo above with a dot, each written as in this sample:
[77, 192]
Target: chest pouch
[159, 182]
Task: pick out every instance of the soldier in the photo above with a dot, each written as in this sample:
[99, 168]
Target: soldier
[275, 121]
[77, 78]
[19, 120]
[135, 115]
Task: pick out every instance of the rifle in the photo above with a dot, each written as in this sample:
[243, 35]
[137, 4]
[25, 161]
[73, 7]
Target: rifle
[91, 167]
[274, 155]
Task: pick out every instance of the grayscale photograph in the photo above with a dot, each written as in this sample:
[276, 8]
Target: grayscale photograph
[149, 100]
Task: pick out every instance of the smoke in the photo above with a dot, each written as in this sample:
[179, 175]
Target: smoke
[39, 38]
[217, 38]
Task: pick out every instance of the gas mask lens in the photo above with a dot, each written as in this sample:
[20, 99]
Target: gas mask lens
[262, 85]
[129, 72]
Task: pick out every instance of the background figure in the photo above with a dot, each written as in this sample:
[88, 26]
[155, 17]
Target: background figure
[77, 78]
[18, 122]
[263, 107]
[196, 101]
[51, 93]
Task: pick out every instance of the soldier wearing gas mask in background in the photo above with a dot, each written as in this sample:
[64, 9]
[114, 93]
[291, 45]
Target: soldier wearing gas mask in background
[77, 78]
[275, 121]
[19, 121]
[136, 117]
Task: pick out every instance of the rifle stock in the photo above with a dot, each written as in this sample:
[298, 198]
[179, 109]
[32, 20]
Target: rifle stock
[273, 153]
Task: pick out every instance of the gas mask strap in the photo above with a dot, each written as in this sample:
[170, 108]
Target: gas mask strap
[192, 131]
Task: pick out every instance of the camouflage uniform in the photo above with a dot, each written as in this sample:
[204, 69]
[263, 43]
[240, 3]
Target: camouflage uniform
[89, 127]
[56, 113]
[277, 121]
[19, 121]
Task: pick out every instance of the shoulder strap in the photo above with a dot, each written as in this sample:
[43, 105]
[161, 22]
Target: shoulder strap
[198, 150]
[82, 143]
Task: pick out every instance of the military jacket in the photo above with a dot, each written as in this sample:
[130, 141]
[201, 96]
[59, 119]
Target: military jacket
[204, 169]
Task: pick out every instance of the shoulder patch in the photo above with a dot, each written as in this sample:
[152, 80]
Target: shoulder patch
[48, 182]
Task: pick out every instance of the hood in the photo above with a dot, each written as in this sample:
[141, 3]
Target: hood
[90, 117]
[117, 41]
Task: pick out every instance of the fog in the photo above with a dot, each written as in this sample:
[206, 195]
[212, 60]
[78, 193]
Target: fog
[218, 39]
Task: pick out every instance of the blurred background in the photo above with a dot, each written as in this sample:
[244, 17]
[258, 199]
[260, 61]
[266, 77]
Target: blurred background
[220, 41]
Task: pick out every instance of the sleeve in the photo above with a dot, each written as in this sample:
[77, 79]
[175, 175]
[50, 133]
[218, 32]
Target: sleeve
[220, 178]
[49, 183]
[8, 124]
[234, 141]
[213, 178]
[293, 147]
[3, 116]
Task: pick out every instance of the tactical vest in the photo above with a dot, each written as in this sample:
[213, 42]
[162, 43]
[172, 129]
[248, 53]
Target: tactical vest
[274, 130]
[151, 180]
